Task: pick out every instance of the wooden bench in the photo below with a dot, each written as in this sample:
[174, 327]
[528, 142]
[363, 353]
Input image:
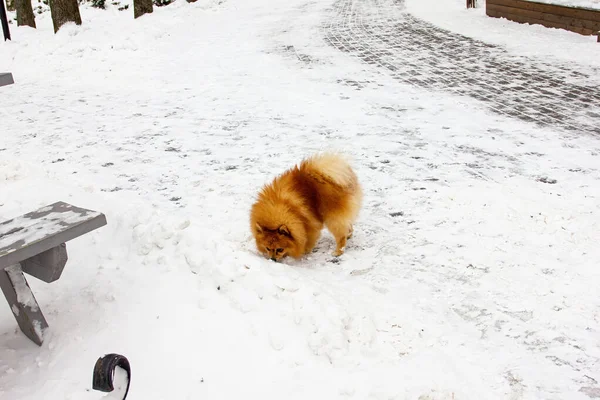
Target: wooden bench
[35, 243]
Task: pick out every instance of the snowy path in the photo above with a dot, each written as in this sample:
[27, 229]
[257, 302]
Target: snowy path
[417, 53]
[472, 273]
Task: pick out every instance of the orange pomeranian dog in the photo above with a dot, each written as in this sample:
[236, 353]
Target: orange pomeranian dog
[290, 213]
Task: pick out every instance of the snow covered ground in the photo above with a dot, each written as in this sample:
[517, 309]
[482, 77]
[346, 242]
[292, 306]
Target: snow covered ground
[468, 276]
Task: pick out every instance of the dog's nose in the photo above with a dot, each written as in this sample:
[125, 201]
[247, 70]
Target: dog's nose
[273, 259]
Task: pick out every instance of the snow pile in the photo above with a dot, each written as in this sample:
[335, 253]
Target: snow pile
[468, 276]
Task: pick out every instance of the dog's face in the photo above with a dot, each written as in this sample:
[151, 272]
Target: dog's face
[275, 244]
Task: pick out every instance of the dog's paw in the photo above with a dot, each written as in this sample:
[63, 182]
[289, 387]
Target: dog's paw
[338, 252]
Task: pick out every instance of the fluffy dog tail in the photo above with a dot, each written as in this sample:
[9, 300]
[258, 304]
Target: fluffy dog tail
[331, 168]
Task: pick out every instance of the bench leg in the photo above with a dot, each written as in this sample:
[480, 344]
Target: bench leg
[22, 303]
[47, 266]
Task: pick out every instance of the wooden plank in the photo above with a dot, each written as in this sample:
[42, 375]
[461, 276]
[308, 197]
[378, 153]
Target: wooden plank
[589, 14]
[38, 231]
[568, 21]
[4, 22]
[584, 13]
[526, 20]
[548, 20]
[22, 303]
[548, 24]
[6, 78]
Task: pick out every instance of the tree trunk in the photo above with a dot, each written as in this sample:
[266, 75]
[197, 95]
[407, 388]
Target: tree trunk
[141, 7]
[10, 5]
[25, 13]
[64, 11]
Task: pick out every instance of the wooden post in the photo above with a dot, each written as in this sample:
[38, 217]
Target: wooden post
[4, 20]
[22, 303]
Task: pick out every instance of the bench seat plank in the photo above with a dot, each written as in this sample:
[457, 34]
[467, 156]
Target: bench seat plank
[44, 229]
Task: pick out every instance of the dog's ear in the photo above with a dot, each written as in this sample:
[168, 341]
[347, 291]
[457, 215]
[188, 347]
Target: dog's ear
[283, 230]
[259, 228]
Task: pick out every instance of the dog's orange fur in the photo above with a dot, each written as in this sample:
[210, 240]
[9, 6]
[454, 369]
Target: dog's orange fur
[290, 213]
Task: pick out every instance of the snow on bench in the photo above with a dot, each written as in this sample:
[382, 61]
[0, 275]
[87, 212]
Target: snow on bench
[6, 79]
[35, 243]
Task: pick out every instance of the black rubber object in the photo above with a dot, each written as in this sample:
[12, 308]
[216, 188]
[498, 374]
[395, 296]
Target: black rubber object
[104, 372]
